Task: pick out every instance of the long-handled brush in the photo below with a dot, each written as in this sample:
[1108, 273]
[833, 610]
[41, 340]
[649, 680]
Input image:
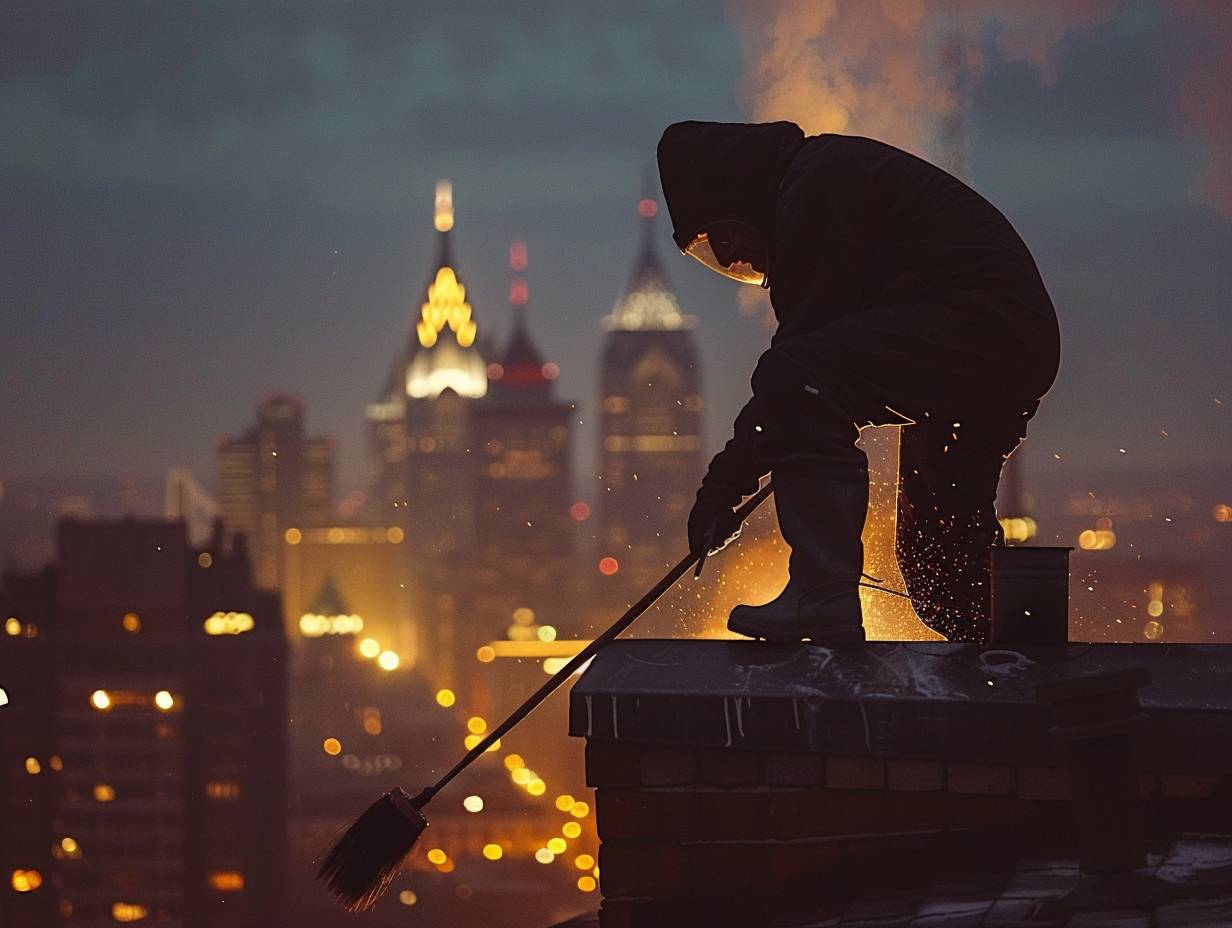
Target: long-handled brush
[362, 862]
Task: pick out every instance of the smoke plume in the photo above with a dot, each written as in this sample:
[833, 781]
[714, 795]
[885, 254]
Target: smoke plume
[901, 70]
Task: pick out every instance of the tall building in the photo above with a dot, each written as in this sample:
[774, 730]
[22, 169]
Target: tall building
[525, 552]
[28, 756]
[421, 438]
[650, 426]
[163, 762]
[271, 478]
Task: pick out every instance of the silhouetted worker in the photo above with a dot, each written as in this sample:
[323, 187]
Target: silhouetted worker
[902, 297]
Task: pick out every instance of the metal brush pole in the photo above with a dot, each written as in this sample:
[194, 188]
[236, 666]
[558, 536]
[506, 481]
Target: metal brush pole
[631, 615]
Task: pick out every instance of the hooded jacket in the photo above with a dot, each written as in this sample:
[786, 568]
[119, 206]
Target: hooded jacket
[850, 222]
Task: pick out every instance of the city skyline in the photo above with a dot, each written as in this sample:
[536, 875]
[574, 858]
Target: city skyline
[352, 383]
[147, 309]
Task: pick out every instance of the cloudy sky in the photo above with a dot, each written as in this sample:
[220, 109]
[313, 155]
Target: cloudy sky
[207, 202]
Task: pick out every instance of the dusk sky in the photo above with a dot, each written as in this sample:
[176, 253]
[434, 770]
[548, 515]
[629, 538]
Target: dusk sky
[207, 202]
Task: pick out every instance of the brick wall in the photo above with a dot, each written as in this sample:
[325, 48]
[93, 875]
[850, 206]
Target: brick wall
[743, 833]
[681, 826]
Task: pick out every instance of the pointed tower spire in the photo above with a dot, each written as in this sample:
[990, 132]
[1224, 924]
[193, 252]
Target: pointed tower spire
[521, 368]
[443, 352]
[649, 302]
[442, 218]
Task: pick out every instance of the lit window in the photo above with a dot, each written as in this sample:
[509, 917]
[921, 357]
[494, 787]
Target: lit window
[608, 566]
[437, 856]
[536, 787]
[571, 829]
[104, 792]
[514, 761]
[388, 660]
[372, 720]
[164, 700]
[228, 623]
[26, 881]
[580, 810]
[473, 804]
[55, 763]
[524, 616]
[544, 856]
[222, 789]
[1101, 539]
[369, 647]
[557, 845]
[476, 725]
[546, 633]
[564, 803]
[493, 851]
[131, 623]
[12, 626]
[332, 747]
[33, 766]
[583, 861]
[205, 559]
[1018, 530]
[486, 654]
[587, 884]
[294, 536]
[313, 625]
[445, 698]
[70, 847]
[226, 881]
[100, 700]
[407, 897]
[128, 912]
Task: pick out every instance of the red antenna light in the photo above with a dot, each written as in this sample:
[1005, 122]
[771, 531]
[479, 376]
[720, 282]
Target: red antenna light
[519, 292]
[517, 256]
[647, 208]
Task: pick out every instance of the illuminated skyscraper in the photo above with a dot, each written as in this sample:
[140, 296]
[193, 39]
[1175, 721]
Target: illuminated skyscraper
[525, 550]
[163, 754]
[421, 438]
[273, 478]
[28, 758]
[650, 425]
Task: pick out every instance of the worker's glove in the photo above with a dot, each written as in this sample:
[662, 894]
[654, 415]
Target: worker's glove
[713, 524]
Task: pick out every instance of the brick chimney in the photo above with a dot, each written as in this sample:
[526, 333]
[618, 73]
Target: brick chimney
[737, 782]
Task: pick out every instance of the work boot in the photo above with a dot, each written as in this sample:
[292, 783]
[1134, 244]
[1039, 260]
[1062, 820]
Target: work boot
[821, 519]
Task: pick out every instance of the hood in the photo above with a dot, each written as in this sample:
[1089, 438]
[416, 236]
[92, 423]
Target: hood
[720, 170]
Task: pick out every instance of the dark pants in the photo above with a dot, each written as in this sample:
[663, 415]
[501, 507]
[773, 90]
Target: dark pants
[964, 374]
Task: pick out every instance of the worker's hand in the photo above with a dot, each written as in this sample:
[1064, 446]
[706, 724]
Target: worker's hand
[713, 524]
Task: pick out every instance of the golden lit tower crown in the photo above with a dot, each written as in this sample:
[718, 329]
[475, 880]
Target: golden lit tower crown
[443, 355]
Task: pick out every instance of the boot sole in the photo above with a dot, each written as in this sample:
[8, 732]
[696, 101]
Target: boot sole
[781, 635]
